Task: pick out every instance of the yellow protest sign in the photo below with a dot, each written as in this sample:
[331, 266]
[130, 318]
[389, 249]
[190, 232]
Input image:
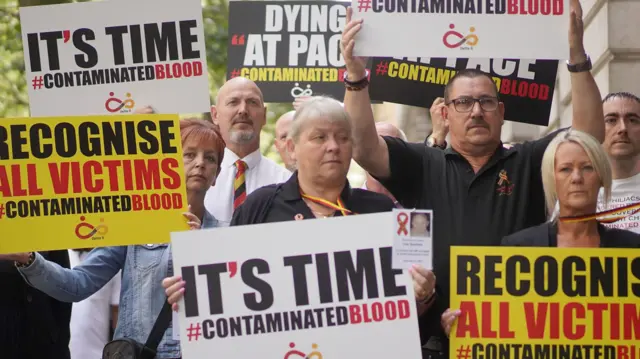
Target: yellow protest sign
[545, 303]
[91, 181]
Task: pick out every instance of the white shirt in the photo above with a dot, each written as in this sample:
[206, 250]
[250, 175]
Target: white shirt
[623, 192]
[90, 317]
[261, 171]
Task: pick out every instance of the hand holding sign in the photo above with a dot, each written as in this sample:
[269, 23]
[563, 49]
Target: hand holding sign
[424, 282]
[194, 221]
[448, 318]
[355, 65]
[440, 126]
[174, 288]
[576, 34]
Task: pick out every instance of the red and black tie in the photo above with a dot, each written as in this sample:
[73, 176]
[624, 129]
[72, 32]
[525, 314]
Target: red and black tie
[239, 184]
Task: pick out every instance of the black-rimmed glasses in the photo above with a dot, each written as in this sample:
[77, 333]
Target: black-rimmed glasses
[465, 104]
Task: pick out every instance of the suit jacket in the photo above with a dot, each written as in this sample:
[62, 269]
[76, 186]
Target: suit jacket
[546, 235]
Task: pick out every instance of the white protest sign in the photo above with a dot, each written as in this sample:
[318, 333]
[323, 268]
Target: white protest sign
[321, 288]
[104, 57]
[531, 29]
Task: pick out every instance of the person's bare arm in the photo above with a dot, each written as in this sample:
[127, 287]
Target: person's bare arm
[588, 115]
[370, 150]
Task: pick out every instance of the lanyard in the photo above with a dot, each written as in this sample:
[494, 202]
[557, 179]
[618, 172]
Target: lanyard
[338, 207]
[633, 208]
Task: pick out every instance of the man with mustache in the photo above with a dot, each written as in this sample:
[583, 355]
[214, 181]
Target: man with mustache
[240, 113]
[622, 143]
[478, 190]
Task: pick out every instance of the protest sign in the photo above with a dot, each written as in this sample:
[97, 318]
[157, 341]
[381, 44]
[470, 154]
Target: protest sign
[112, 59]
[525, 86]
[532, 29]
[299, 289]
[94, 181]
[289, 49]
[545, 302]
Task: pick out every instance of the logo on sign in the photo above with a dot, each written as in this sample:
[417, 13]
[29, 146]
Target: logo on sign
[294, 353]
[298, 91]
[453, 39]
[86, 230]
[114, 104]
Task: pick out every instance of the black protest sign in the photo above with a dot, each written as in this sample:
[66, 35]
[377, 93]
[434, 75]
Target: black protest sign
[525, 86]
[289, 49]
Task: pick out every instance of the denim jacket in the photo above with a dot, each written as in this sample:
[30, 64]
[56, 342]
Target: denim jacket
[141, 296]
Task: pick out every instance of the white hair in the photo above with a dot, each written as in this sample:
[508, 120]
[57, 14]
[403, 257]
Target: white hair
[402, 135]
[315, 108]
[596, 154]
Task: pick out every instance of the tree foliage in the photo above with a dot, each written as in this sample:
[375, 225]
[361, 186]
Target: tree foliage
[14, 101]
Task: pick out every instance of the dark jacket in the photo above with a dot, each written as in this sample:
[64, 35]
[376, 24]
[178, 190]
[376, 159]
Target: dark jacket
[32, 324]
[283, 202]
[546, 235]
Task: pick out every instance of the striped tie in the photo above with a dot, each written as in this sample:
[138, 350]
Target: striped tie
[239, 186]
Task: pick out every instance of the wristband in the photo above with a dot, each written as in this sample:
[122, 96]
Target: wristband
[356, 85]
[32, 257]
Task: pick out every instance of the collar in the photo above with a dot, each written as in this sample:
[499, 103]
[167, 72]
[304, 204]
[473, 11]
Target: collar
[501, 151]
[208, 220]
[252, 159]
[291, 190]
[552, 236]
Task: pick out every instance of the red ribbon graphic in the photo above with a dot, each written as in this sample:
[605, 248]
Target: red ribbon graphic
[403, 219]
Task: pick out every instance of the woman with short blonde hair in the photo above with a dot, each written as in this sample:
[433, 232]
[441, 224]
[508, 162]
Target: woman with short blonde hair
[320, 141]
[593, 150]
[574, 168]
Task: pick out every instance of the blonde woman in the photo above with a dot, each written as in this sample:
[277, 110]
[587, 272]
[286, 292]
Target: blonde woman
[574, 168]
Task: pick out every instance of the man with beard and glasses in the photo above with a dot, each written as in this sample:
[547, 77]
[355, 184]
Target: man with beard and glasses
[240, 113]
[478, 190]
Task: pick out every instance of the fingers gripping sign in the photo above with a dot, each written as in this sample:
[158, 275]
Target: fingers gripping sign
[174, 289]
[356, 66]
[424, 283]
[448, 319]
[192, 220]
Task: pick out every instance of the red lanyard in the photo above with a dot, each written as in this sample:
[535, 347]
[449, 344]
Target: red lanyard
[633, 208]
[337, 207]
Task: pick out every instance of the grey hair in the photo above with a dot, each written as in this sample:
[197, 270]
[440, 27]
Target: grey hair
[597, 156]
[403, 136]
[318, 107]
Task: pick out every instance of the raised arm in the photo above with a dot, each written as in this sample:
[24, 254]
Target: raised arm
[588, 115]
[369, 150]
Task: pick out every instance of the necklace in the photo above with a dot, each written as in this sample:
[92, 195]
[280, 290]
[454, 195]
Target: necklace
[320, 214]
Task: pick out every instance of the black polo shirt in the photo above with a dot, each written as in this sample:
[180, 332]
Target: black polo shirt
[283, 202]
[473, 209]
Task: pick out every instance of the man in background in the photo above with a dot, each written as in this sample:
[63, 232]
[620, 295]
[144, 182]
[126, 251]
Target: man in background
[622, 143]
[282, 130]
[240, 114]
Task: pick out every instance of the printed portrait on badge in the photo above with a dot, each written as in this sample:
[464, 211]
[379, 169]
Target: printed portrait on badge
[420, 224]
